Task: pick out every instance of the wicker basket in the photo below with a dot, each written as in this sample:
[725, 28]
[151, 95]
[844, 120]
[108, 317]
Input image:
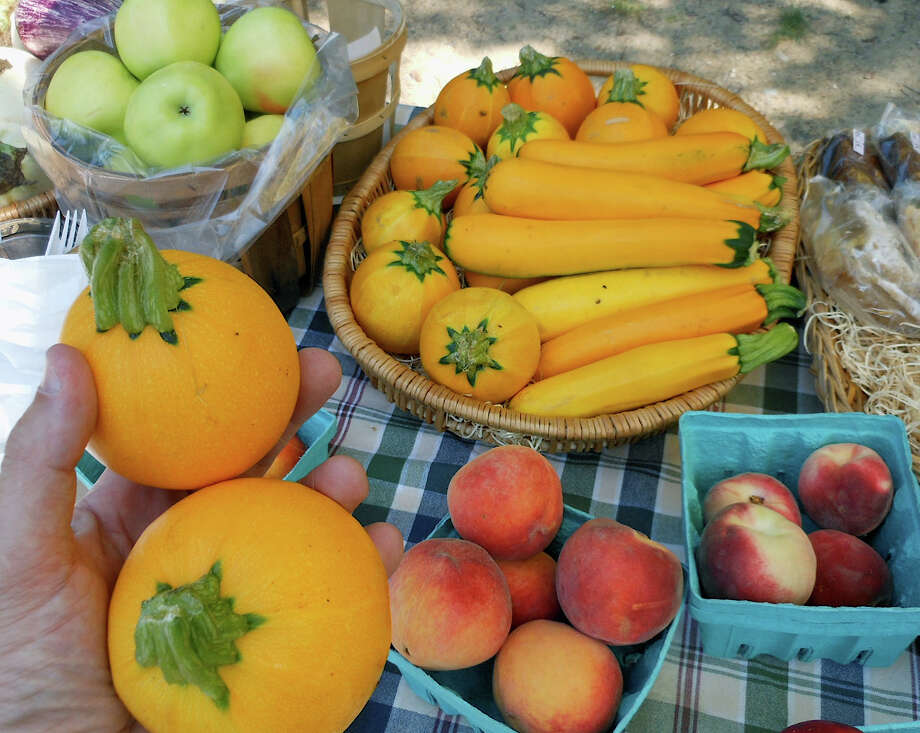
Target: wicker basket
[413, 392]
[833, 383]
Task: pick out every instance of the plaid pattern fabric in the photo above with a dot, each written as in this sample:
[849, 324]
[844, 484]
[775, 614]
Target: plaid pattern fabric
[409, 465]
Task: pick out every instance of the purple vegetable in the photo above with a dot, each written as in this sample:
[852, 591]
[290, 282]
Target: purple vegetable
[43, 25]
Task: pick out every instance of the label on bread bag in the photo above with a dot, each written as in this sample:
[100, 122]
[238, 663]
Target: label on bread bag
[859, 142]
[915, 140]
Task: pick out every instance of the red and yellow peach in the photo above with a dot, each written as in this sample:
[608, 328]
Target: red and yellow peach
[616, 584]
[450, 605]
[508, 500]
[549, 677]
[532, 583]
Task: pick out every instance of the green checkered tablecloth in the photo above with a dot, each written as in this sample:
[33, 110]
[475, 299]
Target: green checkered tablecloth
[409, 464]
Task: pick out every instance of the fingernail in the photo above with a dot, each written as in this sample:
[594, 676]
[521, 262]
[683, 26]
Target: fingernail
[51, 382]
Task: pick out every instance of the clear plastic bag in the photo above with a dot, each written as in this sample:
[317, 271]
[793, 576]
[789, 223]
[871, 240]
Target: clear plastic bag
[898, 142]
[859, 254]
[217, 209]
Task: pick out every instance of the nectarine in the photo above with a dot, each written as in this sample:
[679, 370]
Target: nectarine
[616, 584]
[750, 553]
[846, 486]
[758, 488]
[509, 500]
[850, 572]
[450, 605]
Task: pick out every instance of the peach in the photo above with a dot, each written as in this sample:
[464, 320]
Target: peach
[450, 605]
[532, 583]
[549, 677]
[758, 488]
[287, 458]
[846, 486]
[509, 500]
[750, 553]
[616, 584]
[850, 572]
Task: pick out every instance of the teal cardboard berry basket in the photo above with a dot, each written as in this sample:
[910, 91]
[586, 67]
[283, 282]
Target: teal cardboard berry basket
[315, 434]
[714, 446]
[468, 692]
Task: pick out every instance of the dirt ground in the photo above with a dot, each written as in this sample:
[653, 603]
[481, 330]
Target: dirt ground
[808, 65]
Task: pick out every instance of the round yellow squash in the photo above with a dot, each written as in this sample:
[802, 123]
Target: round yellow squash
[250, 605]
[202, 402]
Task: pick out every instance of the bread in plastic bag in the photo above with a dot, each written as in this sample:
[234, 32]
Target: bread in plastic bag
[859, 254]
[899, 153]
[217, 209]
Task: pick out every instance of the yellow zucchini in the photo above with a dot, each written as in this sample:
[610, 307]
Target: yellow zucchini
[759, 186]
[736, 309]
[651, 373]
[699, 159]
[563, 303]
[511, 246]
[538, 190]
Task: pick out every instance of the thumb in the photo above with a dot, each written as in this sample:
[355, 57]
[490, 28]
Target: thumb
[37, 479]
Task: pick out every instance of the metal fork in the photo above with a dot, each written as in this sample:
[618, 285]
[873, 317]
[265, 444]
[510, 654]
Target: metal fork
[67, 235]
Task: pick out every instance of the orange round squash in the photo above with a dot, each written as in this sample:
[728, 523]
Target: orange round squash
[620, 122]
[472, 102]
[409, 215]
[645, 86]
[552, 84]
[395, 287]
[520, 126]
[430, 154]
[196, 369]
[480, 342]
[721, 119]
[251, 605]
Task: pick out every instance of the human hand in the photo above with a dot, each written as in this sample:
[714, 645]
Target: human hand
[58, 563]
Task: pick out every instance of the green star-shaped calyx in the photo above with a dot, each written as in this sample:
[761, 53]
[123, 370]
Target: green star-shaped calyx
[468, 350]
[419, 258]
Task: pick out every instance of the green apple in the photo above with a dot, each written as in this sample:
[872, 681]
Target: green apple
[267, 55]
[151, 34]
[182, 114]
[261, 130]
[92, 88]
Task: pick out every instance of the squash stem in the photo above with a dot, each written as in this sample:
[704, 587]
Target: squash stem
[430, 199]
[419, 258]
[771, 218]
[783, 301]
[534, 63]
[484, 76]
[744, 246]
[754, 349]
[517, 126]
[765, 156]
[190, 631]
[130, 282]
[626, 87]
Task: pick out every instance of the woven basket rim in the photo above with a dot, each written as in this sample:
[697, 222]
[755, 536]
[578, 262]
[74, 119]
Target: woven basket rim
[438, 404]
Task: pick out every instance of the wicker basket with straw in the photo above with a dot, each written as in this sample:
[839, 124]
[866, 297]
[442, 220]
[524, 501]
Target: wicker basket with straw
[857, 367]
[411, 390]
